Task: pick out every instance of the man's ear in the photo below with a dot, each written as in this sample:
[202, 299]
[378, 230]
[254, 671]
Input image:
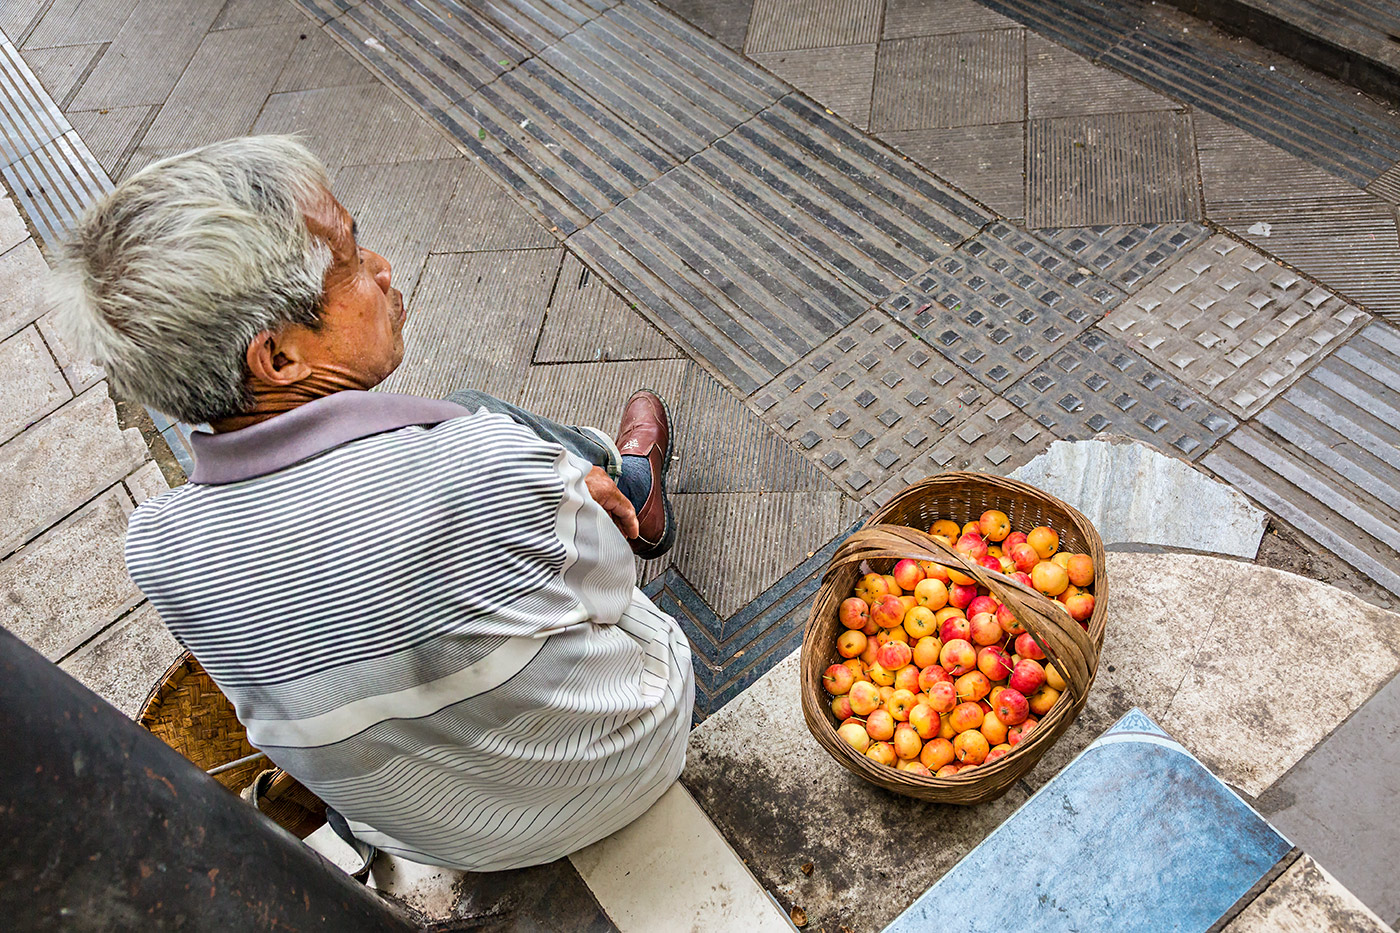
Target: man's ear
[275, 360]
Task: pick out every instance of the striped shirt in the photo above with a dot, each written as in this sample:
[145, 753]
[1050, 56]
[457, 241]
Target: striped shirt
[421, 613]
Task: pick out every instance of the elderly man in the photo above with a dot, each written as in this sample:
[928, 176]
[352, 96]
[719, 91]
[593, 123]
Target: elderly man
[424, 610]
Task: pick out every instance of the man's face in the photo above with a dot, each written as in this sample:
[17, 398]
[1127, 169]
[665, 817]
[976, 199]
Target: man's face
[361, 337]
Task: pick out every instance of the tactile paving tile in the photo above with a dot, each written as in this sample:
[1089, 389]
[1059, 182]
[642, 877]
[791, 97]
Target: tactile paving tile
[1096, 384]
[1233, 323]
[1127, 256]
[1003, 247]
[994, 318]
[777, 25]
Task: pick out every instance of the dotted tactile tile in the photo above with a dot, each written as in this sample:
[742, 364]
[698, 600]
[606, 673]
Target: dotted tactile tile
[869, 401]
[1127, 256]
[1096, 384]
[1234, 324]
[1014, 252]
[995, 325]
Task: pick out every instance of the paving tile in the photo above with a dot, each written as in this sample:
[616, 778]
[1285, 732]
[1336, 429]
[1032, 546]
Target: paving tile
[71, 582]
[1171, 848]
[146, 483]
[33, 384]
[1302, 899]
[399, 209]
[319, 61]
[792, 804]
[78, 22]
[702, 883]
[589, 322]
[148, 55]
[726, 20]
[239, 14]
[1137, 495]
[22, 272]
[483, 216]
[1012, 251]
[19, 16]
[905, 18]
[594, 394]
[1110, 169]
[993, 317]
[13, 232]
[112, 134]
[1097, 384]
[988, 162]
[30, 118]
[61, 68]
[222, 91]
[1233, 324]
[963, 79]
[1060, 83]
[541, 24]
[55, 183]
[123, 663]
[1341, 831]
[1323, 455]
[503, 296]
[1387, 185]
[777, 25]
[1129, 256]
[840, 78]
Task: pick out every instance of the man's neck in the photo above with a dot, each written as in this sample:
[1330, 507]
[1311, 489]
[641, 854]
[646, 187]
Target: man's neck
[271, 401]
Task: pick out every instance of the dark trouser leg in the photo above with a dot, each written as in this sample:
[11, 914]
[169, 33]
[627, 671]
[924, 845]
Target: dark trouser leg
[589, 443]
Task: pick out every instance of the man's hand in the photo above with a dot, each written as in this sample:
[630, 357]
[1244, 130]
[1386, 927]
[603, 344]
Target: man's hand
[605, 492]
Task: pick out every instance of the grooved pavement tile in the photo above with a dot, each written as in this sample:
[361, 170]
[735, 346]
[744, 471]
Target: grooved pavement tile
[988, 162]
[148, 56]
[593, 394]
[777, 25]
[79, 22]
[1387, 184]
[111, 134]
[589, 322]
[841, 78]
[905, 18]
[725, 20]
[59, 69]
[473, 322]
[1096, 384]
[1234, 324]
[33, 384]
[541, 23]
[961, 79]
[483, 216]
[29, 120]
[239, 14]
[1110, 169]
[55, 183]
[19, 16]
[318, 61]
[1129, 256]
[1060, 83]
[1325, 456]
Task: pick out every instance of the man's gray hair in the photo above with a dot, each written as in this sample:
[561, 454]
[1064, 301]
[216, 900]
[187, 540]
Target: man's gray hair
[167, 280]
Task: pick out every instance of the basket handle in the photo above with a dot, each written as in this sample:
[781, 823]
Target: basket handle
[1064, 641]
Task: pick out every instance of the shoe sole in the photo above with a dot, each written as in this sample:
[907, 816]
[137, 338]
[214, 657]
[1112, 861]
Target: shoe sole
[668, 527]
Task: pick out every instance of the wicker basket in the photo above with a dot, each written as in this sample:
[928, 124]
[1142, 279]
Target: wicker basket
[187, 711]
[895, 532]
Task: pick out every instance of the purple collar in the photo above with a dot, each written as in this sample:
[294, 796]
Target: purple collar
[308, 430]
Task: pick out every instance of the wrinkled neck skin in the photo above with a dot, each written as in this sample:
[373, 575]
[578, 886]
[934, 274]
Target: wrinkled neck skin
[270, 401]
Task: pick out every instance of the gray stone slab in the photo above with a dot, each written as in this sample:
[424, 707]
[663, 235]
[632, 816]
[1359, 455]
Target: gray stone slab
[726, 20]
[962, 79]
[58, 464]
[1060, 83]
[318, 61]
[1304, 899]
[790, 805]
[112, 135]
[238, 14]
[484, 216]
[1135, 494]
[1111, 169]
[473, 322]
[589, 322]
[60, 69]
[1343, 831]
[988, 162]
[78, 22]
[33, 384]
[905, 18]
[71, 582]
[777, 25]
[81, 374]
[147, 483]
[126, 661]
[148, 55]
[22, 272]
[840, 78]
[13, 232]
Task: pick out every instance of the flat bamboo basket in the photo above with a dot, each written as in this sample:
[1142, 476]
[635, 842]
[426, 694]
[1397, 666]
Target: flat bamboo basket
[897, 531]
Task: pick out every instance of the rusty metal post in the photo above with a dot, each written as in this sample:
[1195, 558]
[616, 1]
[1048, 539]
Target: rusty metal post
[103, 827]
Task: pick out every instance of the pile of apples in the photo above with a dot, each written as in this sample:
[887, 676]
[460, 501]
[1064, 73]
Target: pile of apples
[939, 677]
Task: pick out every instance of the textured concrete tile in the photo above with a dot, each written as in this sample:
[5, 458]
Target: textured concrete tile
[59, 69]
[33, 384]
[589, 322]
[13, 232]
[1135, 494]
[58, 464]
[71, 582]
[81, 374]
[840, 78]
[17, 16]
[55, 183]
[1342, 831]
[1111, 169]
[726, 20]
[988, 162]
[965, 79]
[906, 18]
[593, 394]
[123, 663]
[112, 135]
[483, 216]
[22, 273]
[1305, 898]
[77, 22]
[473, 322]
[222, 91]
[360, 124]
[236, 14]
[811, 24]
[693, 878]
[147, 483]
[318, 61]
[783, 802]
[1060, 83]
[147, 57]
[1183, 644]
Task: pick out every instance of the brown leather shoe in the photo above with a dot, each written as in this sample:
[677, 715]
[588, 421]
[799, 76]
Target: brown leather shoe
[646, 432]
